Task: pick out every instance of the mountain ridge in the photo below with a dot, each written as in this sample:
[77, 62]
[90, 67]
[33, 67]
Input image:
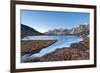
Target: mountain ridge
[80, 30]
[27, 31]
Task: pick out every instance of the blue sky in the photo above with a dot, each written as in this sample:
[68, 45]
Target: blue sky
[46, 20]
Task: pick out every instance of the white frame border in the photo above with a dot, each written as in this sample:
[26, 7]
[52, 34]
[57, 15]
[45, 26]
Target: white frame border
[59, 63]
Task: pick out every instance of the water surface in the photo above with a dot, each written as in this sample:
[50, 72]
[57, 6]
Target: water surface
[62, 41]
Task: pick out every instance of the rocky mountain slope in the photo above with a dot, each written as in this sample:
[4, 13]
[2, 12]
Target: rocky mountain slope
[27, 31]
[80, 30]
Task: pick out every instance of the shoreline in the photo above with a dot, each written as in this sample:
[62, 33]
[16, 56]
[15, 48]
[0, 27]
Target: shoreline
[35, 46]
[77, 51]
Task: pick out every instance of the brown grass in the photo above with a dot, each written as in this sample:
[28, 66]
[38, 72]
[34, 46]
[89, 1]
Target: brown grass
[30, 45]
[77, 51]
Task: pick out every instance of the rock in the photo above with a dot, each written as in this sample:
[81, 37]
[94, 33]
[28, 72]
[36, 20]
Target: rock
[77, 51]
[82, 30]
